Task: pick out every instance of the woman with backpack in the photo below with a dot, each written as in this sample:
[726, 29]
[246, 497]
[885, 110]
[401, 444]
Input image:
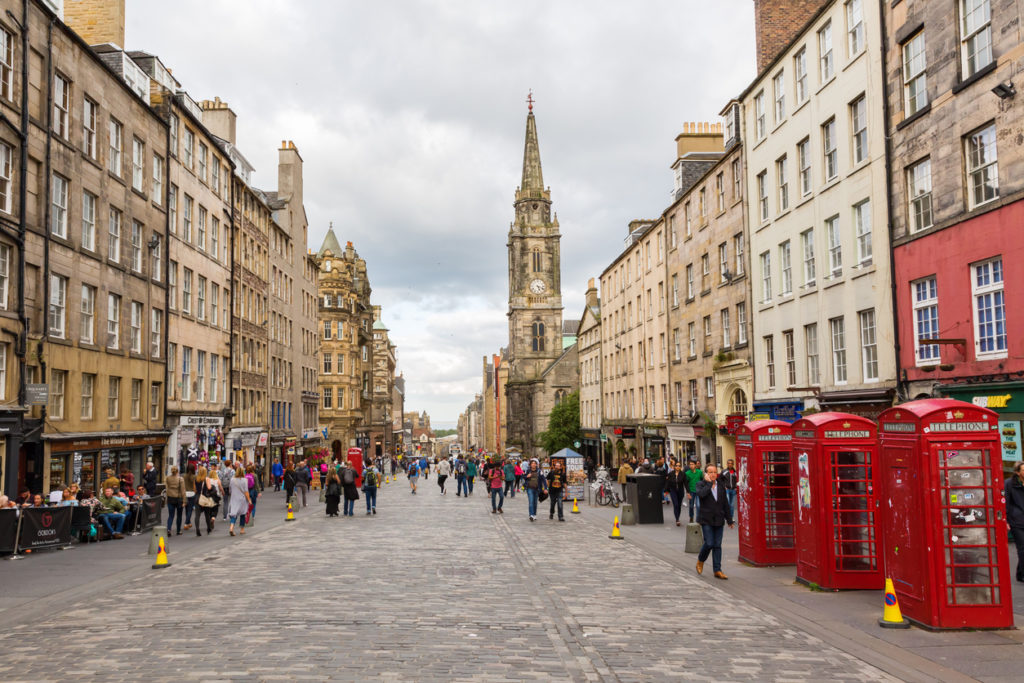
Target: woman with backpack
[348, 486]
[371, 479]
[414, 475]
[332, 493]
[289, 484]
[494, 473]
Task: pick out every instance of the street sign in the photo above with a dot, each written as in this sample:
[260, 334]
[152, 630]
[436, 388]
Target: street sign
[604, 437]
[37, 394]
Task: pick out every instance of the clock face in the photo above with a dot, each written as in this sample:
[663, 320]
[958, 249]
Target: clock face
[537, 286]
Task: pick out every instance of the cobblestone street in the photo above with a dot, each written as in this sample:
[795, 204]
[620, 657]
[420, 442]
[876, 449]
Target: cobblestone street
[431, 588]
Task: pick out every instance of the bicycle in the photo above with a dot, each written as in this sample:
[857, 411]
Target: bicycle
[606, 493]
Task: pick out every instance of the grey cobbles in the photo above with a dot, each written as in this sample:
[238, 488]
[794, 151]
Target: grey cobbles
[430, 588]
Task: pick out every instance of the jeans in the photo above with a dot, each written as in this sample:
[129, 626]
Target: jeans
[623, 491]
[531, 497]
[556, 499]
[1018, 540]
[510, 487]
[239, 519]
[172, 510]
[694, 504]
[118, 519]
[470, 480]
[712, 545]
[371, 498]
[500, 496]
[731, 495]
[225, 503]
[302, 488]
[463, 486]
[190, 505]
[441, 479]
[677, 501]
[277, 483]
[350, 507]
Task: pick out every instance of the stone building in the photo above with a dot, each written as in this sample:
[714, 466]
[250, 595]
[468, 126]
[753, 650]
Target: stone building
[957, 184]
[489, 428]
[398, 415]
[540, 371]
[87, 194]
[708, 296]
[345, 316]
[589, 341]
[814, 150]
[382, 386]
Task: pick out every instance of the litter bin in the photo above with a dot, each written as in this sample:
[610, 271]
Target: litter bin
[647, 489]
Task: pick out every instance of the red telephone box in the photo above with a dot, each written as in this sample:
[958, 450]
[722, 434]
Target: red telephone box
[942, 514]
[837, 529]
[765, 508]
[355, 458]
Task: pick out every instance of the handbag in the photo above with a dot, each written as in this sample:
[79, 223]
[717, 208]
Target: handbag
[323, 495]
[205, 501]
[542, 495]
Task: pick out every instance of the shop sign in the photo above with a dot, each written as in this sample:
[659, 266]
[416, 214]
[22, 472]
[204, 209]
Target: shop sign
[76, 466]
[604, 437]
[847, 434]
[37, 394]
[626, 432]
[733, 422]
[790, 411]
[992, 401]
[760, 416]
[186, 436]
[200, 421]
[1009, 433]
[263, 439]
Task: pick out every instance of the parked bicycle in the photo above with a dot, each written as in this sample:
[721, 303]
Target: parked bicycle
[605, 493]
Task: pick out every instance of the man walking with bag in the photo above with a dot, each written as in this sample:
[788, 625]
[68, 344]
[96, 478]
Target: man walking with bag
[302, 479]
[714, 512]
[227, 473]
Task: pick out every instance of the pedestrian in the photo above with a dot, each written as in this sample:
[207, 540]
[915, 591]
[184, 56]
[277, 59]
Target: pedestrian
[444, 469]
[371, 480]
[277, 471]
[713, 514]
[149, 479]
[1013, 492]
[348, 487]
[693, 477]
[461, 467]
[226, 474]
[126, 484]
[509, 470]
[175, 499]
[556, 483]
[210, 496]
[414, 475]
[332, 493]
[302, 479]
[534, 484]
[255, 490]
[190, 494]
[425, 468]
[238, 501]
[731, 479]
[676, 484]
[495, 476]
[471, 473]
[288, 480]
[625, 469]
[519, 476]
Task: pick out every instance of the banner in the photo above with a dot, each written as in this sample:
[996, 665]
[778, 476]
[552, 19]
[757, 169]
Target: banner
[45, 527]
[8, 530]
[150, 512]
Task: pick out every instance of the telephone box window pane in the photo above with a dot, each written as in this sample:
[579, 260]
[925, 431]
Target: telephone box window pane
[972, 573]
[778, 500]
[853, 518]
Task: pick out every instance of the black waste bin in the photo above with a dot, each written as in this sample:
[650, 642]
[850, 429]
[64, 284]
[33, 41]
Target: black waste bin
[646, 490]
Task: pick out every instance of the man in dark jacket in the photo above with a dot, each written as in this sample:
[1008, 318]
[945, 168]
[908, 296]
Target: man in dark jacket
[1013, 492]
[712, 516]
[149, 479]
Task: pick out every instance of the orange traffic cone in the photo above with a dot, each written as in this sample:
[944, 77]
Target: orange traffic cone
[891, 615]
[575, 508]
[615, 530]
[290, 517]
[161, 557]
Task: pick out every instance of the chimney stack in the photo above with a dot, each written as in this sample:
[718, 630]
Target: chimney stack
[591, 295]
[777, 23]
[219, 119]
[96, 21]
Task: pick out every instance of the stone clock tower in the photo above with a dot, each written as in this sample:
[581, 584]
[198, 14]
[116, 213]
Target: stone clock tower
[541, 372]
[534, 270]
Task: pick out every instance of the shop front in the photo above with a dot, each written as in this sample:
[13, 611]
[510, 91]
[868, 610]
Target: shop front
[84, 458]
[195, 440]
[682, 442]
[867, 403]
[786, 411]
[310, 443]
[590, 440]
[654, 442]
[247, 444]
[1005, 399]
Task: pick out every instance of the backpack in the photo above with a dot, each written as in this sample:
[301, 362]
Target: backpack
[348, 476]
[370, 479]
[461, 468]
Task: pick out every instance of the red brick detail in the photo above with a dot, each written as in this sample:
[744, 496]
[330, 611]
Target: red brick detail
[777, 23]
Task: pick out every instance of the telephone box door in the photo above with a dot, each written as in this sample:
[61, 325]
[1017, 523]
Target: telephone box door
[972, 528]
[853, 514]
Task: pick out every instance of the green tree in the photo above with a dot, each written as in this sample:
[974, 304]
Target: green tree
[563, 425]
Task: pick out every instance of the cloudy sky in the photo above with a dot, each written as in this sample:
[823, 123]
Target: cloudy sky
[410, 118]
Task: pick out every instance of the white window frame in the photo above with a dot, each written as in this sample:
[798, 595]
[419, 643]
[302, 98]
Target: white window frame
[136, 246]
[5, 275]
[88, 221]
[155, 332]
[61, 106]
[800, 76]
[975, 36]
[811, 353]
[88, 395]
[58, 384]
[854, 27]
[924, 295]
[769, 361]
[726, 330]
[782, 174]
[58, 306]
[807, 250]
[915, 74]
[762, 195]
[138, 159]
[87, 315]
[786, 268]
[981, 158]
[738, 248]
[987, 294]
[115, 132]
[59, 207]
[135, 328]
[113, 398]
[779, 91]
[114, 235]
[6, 186]
[826, 55]
[868, 344]
[766, 277]
[919, 195]
[835, 247]
[158, 179]
[741, 323]
[113, 321]
[760, 127]
[859, 129]
[862, 231]
[829, 151]
[803, 149]
[837, 332]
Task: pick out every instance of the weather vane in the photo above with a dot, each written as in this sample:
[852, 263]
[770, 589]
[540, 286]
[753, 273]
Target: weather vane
[529, 100]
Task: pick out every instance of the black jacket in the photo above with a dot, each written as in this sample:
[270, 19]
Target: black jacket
[729, 478]
[713, 512]
[1013, 491]
[674, 482]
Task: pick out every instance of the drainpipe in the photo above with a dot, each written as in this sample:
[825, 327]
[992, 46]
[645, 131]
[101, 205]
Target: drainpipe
[47, 202]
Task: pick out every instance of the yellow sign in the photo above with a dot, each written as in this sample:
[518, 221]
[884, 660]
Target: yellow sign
[992, 401]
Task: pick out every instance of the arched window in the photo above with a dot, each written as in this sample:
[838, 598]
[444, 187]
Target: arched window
[738, 403]
[538, 336]
[537, 261]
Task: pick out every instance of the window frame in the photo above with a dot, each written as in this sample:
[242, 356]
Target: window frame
[924, 298]
[995, 289]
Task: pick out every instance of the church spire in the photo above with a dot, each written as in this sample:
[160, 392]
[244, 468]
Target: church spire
[533, 179]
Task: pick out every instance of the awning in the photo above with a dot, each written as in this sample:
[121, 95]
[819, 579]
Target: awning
[681, 432]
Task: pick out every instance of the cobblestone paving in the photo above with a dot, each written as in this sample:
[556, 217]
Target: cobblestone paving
[430, 588]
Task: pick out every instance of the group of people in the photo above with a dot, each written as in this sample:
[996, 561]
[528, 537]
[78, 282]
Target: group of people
[344, 482]
[681, 482]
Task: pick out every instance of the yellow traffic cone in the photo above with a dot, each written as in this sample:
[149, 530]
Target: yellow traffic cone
[615, 530]
[161, 557]
[387, 480]
[290, 517]
[891, 615]
[575, 508]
